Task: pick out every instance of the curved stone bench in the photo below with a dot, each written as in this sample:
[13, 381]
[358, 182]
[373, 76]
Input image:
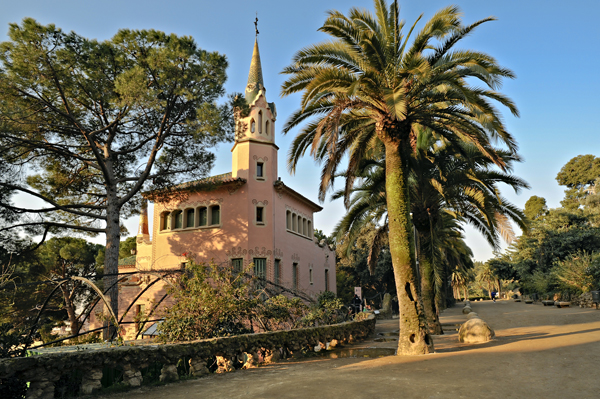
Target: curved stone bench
[529, 301]
[562, 304]
[548, 303]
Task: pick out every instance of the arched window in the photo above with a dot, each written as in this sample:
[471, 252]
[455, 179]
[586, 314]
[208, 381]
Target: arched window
[310, 230]
[215, 215]
[294, 222]
[252, 126]
[267, 127]
[202, 216]
[304, 227]
[299, 226]
[189, 218]
[260, 122]
[288, 220]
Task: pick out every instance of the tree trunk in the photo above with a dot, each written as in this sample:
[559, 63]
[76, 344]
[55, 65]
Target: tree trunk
[499, 288]
[70, 310]
[414, 338]
[428, 292]
[111, 260]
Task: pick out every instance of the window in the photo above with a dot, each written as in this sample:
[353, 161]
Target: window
[260, 271]
[277, 272]
[267, 126]
[237, 265]
[178, 216]
[215, 215]
[252, 126]
[310, 230]
[260, 169]
[189, 219]
[326, 280]
[164, 221]
[295, 276]
[288, 220]
[259, 121]
[203, 216]
[294, 222]
[310, 276]
[260, 215]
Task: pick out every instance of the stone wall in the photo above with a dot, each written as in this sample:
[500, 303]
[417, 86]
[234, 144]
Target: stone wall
[43, 371]
[585, 301]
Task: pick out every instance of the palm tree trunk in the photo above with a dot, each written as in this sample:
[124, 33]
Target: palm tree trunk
[428, 295]
[414, 338]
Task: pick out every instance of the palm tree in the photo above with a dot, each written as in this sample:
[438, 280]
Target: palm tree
[446, 189]
[371, 85]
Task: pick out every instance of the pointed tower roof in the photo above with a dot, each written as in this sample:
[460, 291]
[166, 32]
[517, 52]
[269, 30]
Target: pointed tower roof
[255, 77]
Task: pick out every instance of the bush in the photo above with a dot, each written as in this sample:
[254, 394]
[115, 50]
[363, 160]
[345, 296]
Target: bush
[579, 272]
[210, 301]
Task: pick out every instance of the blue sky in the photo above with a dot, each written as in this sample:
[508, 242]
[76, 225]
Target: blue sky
[553, 47]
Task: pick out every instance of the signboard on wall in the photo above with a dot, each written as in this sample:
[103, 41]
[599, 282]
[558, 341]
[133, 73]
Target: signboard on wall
[358, 291]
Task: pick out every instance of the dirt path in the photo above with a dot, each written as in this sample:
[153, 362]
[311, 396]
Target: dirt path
[539, 352]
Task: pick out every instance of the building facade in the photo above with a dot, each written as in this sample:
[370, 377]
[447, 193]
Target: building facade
[246, 216]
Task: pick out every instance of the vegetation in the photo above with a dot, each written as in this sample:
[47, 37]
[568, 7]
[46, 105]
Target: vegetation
[370, 88]
[560, 251]
[87, 125]
[212, 300]
[45, 274]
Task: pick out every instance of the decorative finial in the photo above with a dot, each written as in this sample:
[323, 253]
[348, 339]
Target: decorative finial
[256, 25]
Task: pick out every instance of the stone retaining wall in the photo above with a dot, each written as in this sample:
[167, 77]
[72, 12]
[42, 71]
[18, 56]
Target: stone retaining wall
[585, 301]
[42, 371]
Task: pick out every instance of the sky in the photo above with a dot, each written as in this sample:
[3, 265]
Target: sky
[553, 47]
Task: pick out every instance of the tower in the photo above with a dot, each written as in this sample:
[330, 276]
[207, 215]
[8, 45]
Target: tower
[254, 152]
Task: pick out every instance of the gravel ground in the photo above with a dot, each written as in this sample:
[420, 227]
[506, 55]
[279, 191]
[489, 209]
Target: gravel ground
[538, 352]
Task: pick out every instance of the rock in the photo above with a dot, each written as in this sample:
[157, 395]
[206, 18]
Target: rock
[528, 301]
[466, 310]
[131, 376]
[475, 331]
[91, 381]
[251, 360]
[223, 365]
[472, 315]
[198, 367]
[169, 373]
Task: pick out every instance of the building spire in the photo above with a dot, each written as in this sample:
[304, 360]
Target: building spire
[255, 77]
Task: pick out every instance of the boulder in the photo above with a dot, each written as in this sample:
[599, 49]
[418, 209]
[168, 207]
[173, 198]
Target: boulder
[472, 315]
[466, 310]
[475, 331]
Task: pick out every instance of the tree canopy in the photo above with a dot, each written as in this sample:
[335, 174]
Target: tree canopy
[86, 125]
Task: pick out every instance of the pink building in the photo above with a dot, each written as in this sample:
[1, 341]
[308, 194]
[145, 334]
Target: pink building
[248, 215]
